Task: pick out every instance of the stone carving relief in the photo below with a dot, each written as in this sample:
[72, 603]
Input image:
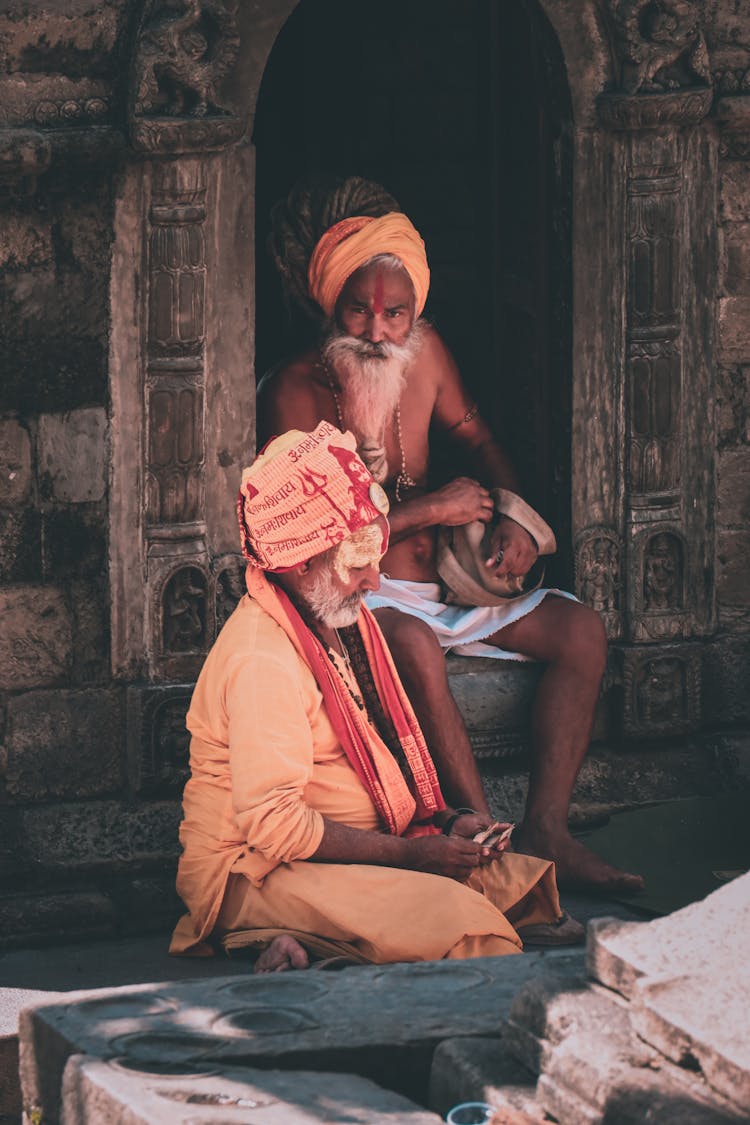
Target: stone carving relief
[598, 571]
[654, 378]
[184, 52]
[177, 269]
[230, 587]
[654, 368]
[175, 451]
[659, 45]
[731, 81]
[158, 740]
[184, 605]
[598, 578]
[662, 63]
[186, 49]
[662, 574]
[662, 691]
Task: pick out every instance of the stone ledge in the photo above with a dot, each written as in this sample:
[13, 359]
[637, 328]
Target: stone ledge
[352, 1020]
[95, 1091]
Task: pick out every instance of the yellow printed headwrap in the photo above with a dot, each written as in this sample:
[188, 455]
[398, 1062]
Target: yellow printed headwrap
[303, 494]
[352, 242]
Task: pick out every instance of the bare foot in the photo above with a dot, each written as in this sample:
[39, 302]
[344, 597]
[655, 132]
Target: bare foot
[282, 954]
[577, 867]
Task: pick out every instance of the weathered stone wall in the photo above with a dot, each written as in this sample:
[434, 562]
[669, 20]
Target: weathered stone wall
[65, 814]
[99, 200]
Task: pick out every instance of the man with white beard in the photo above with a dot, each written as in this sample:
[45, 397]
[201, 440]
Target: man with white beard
[382, 372]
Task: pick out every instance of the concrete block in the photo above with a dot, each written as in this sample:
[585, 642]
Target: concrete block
[64, 743]
[35, 640]
[15, 463]
[733, 493]
[734, 329]
[100, 834]
[73, 455]
[481, 1070]
[95, 1091]
[733, 578]
[696, 940]
[353, 1020]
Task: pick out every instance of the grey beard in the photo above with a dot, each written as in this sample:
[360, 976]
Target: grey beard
[372, 378]
[327, 606]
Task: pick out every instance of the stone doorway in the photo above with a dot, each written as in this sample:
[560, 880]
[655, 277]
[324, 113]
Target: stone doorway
[462, 111]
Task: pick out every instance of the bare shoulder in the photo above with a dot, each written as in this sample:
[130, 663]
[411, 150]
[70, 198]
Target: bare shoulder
[289, 397]
[435, 356]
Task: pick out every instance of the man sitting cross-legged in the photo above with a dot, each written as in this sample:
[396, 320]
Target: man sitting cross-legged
[313, 813]
[385, 374]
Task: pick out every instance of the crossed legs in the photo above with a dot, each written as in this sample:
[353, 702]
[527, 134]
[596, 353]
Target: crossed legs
[570, 639]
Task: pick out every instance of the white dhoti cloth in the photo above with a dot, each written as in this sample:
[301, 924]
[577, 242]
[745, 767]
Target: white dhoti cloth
[459, 629]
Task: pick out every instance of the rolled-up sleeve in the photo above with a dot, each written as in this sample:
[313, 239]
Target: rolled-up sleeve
[271, 759]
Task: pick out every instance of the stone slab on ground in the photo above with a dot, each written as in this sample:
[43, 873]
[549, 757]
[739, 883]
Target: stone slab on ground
[95, 1091]
[482, 1070]
[12, 1003]
[700, 938]
[594, 1068]
[352, 1020]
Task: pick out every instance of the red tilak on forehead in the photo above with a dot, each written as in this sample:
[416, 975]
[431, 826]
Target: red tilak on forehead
[377, 297]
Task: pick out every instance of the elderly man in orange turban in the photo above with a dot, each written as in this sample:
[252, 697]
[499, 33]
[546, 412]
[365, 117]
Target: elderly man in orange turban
[313, 817]
[350, 255]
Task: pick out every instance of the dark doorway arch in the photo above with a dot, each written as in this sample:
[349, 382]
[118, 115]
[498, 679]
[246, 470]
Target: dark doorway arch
[462, 110]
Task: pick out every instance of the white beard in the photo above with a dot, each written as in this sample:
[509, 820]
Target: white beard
[372, 378]
[326, 605]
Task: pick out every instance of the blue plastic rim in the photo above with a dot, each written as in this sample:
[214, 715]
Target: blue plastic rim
[470, 1113]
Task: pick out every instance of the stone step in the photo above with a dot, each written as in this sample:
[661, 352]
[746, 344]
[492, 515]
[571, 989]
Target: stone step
[593, 1067]
[380, 1022]
[97, 1091]
[12, 1003]
[687, 981]
[483, 1070]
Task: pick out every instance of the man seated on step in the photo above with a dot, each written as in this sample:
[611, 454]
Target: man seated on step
[313, 816]
[383, 372]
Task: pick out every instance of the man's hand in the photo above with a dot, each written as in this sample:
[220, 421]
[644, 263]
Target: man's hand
[454, 856]
[513, 551]
[469, 824]
[461, 501]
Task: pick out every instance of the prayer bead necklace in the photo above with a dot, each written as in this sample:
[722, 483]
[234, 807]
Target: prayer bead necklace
[347, 674]
[404, 480]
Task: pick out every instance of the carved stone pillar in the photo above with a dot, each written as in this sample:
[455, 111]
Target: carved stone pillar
[666, 164]
[181, 369]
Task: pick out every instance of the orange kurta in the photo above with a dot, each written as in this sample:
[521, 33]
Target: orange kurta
[267, 767]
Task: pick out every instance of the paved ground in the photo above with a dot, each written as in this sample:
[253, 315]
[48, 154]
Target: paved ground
[140, 960]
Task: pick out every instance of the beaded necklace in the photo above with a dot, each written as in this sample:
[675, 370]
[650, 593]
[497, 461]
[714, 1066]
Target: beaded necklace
[404, 480]
[343, 665]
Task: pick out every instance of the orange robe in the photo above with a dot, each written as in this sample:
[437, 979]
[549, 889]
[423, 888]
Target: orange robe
[266, 768]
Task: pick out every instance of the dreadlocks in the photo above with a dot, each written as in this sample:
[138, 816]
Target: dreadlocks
[312, 207]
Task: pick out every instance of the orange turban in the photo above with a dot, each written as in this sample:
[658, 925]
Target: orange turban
[352, 242]
[303, 494]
